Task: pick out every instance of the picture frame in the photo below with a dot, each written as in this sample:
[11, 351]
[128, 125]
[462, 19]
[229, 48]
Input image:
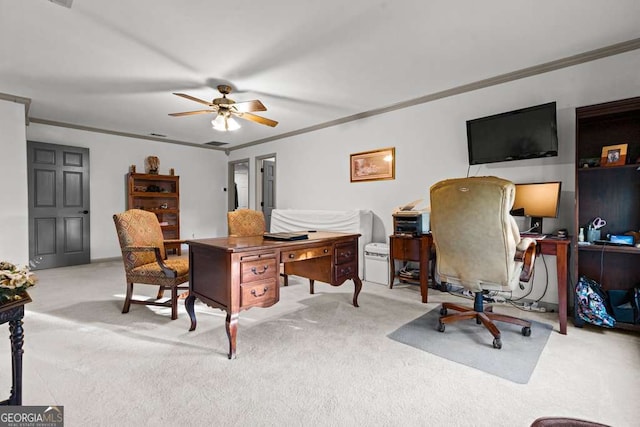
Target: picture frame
[373, 165]
[614, 155]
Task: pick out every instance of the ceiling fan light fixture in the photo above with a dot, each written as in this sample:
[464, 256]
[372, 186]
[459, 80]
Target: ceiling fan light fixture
[223, 123]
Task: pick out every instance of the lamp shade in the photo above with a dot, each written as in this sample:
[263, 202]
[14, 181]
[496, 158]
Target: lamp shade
[224, 123]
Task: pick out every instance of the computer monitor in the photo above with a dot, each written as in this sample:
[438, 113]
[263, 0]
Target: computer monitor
[537, 200]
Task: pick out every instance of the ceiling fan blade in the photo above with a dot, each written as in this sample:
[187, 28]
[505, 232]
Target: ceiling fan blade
[246, 106]
[192, 98]
[190, 113]
[257, 119]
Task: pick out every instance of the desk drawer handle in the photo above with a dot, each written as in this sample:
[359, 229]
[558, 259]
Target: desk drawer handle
[325, 250]
[292, 256]
[255, 271]
[346, 254]
[255, 294]
[345, 270]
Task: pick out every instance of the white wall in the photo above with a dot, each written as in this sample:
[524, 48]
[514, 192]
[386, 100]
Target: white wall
[202, 176]
[313, 168]
[430, 141]
[14, 231]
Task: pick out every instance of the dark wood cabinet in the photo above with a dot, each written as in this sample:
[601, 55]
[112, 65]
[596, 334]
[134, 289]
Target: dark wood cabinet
[159, 194]
[410, 248]
[608, 192]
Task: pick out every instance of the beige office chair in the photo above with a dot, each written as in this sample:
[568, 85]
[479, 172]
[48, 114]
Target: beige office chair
[145, 259]
[478, 246]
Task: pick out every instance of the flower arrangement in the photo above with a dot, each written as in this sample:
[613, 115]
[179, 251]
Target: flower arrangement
[14, 281]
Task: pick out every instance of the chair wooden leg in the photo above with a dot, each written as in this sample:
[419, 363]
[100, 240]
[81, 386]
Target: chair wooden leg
[508, 319]
[456, 307]
[160, 292]
[127, 298]
[311, 290]
[483, 315]
[489, 324]
[174, 303]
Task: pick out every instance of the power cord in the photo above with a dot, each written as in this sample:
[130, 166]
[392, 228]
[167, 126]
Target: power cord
[536, 225]
[532, 306]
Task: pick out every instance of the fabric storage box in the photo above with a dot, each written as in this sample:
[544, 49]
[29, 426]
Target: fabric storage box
[621, 305]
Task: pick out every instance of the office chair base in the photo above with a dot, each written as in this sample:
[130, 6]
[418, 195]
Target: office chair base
[486, 317]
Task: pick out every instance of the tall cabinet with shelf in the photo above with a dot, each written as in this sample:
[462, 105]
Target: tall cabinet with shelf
[609, 192]
[159, 194]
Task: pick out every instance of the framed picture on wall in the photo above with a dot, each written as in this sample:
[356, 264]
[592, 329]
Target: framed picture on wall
[373, 165]
[614, 155]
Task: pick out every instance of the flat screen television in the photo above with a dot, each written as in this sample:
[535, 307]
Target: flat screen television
[527, 133]
[537, 200]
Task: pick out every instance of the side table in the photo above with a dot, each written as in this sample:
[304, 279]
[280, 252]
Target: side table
[13, 312]
[411, 248]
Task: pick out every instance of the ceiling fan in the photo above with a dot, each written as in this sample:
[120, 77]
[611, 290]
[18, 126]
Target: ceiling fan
[226, 108]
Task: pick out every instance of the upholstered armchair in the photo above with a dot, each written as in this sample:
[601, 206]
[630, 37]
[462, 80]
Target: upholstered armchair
[478, 246]
[245, 222]
[145, 259]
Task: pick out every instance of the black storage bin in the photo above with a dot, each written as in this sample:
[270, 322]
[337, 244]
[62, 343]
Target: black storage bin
[621, 305]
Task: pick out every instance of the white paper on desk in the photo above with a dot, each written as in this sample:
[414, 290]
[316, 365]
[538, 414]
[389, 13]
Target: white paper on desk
[411, 205]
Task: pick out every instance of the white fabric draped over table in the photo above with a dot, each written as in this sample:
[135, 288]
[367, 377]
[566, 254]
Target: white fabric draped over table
[348, 221]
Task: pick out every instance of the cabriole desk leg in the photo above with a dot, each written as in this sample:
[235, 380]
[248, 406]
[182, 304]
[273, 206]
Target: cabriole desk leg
[188, 304]
[358, 287]
[231, 325]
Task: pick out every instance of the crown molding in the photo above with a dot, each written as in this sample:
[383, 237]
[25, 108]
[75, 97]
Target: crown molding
[581, 58]
[118, 133]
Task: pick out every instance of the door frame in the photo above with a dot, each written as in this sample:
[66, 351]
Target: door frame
[231, 192]
[258, 181]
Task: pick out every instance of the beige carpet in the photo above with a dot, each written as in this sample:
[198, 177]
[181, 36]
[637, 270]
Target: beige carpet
[307, 361]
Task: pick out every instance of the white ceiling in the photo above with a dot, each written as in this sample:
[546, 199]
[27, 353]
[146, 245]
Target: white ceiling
[113, 64]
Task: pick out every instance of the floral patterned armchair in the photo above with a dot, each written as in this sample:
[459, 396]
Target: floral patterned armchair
[145, 259]
[245, 222]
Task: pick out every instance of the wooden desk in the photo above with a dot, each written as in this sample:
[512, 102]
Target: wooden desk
[559, 248]
[237, 273]
[410, 248]
[13, 312]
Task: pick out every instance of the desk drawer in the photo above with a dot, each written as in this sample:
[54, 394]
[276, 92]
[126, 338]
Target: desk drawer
[261, 269]
[345, 252]
[262, 294]
[307, 253]
[343, 272]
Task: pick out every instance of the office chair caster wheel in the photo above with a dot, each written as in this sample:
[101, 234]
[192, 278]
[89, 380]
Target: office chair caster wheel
[440, 327]
[443, 311]
[526, 331]
[497, 343]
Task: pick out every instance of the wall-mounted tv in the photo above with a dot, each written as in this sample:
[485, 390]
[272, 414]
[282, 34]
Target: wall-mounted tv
[527, 133]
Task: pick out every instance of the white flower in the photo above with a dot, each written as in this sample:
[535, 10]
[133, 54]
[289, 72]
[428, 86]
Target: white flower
[15, 279]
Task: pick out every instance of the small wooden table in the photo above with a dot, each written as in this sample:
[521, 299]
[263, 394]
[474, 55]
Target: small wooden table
[411, 248]
[13, 312]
